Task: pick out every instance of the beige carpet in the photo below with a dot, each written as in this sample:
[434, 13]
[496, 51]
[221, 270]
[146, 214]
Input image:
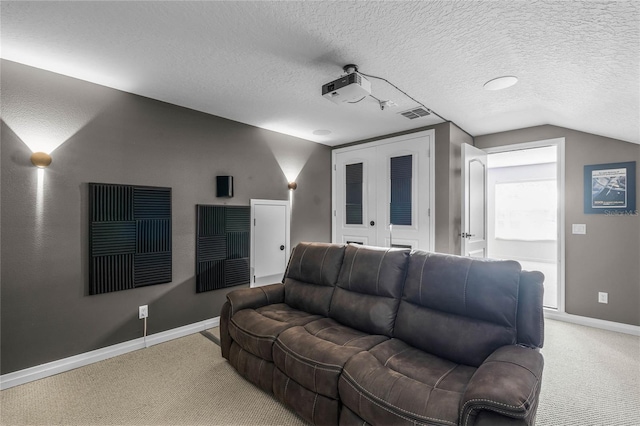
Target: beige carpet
[591, 378]
[181, 382]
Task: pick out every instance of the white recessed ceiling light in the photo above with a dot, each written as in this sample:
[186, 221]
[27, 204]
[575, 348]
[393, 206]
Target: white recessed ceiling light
[501, 82]
[321, 132]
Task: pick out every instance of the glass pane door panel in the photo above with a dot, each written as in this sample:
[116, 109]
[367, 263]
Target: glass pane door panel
[353, 193]
[401, 186]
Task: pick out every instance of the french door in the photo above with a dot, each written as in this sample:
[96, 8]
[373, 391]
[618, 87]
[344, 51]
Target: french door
[382, 193]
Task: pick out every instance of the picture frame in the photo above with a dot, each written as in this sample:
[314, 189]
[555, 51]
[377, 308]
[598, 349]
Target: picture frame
[610, 189]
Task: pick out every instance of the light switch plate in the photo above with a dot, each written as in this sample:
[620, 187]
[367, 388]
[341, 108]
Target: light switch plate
[579, 228]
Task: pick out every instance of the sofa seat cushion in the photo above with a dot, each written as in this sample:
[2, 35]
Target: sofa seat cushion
[315, 354]
[255, 330]
[394, 383]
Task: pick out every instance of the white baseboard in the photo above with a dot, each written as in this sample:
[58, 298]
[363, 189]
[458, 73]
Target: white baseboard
[593, 322]
[60, 366]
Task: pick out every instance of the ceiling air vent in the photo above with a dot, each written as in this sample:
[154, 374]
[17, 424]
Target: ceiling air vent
[415, 113]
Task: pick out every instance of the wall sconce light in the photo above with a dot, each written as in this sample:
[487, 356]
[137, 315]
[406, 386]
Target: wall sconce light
[292, 186]
[41, 159]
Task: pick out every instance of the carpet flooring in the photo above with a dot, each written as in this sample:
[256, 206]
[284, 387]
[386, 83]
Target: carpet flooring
[591, 378]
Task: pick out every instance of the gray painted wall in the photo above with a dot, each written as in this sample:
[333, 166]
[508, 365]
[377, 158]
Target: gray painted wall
[607, 258]
[116, 137]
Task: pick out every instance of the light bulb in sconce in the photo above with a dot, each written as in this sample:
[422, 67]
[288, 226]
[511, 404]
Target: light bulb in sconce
[41, 159]
[292, 186]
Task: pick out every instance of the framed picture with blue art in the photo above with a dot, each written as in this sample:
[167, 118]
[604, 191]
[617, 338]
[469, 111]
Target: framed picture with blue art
[610, 189]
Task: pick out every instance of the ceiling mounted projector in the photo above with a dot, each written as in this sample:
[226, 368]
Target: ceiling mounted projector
[352, 87]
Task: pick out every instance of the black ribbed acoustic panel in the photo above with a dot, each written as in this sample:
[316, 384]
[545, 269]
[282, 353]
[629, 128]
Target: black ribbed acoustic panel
[222, 246]
[129, 237]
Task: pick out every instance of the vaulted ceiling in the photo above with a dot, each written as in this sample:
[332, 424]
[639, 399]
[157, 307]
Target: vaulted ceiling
[263, 63]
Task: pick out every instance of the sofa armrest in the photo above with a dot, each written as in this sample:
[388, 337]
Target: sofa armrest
[255, 297]
[244, 298]
[507, 382]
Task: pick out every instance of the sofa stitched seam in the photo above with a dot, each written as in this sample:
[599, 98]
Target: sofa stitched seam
[497, 410]
[391, 388]
[308, 361]
[313, 410]
[513, 363]
[315, 385]
[353, 261]
[501, 404]
[286, 356]
[301, 258]
[248, 333]
[289, 264]
[464, 294]
[445, 375]
[373, 398]
[265, 295]
[322, 263]
[394, 355]
[424, 265]
[328, 327]
[378, 274]
[286, 385]
[351, 340]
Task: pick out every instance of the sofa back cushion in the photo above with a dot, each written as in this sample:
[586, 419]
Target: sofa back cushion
[369, 288]
[311, 276]
[459, 308]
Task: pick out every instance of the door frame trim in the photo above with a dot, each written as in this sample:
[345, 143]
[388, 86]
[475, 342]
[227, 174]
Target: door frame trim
[287, 239]
[560, 173]
[431, 133]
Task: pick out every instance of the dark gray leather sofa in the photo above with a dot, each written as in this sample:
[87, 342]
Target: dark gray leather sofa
[360, 335]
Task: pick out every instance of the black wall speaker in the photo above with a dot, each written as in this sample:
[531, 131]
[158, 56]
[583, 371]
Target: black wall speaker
[224, 185]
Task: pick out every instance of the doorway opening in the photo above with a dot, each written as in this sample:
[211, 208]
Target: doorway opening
[525, 211]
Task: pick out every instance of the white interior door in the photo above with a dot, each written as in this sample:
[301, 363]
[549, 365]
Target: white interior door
[355, 212]
[269, 241]
[403, 189]
[474, 202]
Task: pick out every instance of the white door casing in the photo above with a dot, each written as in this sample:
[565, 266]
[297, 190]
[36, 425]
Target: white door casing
[560, 176]
[270, 244]
[474, 205]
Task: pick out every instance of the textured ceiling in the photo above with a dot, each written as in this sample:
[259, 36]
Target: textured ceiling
[263, 63]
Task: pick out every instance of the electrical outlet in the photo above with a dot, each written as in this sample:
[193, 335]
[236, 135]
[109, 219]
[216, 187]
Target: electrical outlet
[603, 297]
[143, 311]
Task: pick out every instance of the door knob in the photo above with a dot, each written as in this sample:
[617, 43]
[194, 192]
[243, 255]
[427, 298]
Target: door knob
[372, 223]
[282, 247]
